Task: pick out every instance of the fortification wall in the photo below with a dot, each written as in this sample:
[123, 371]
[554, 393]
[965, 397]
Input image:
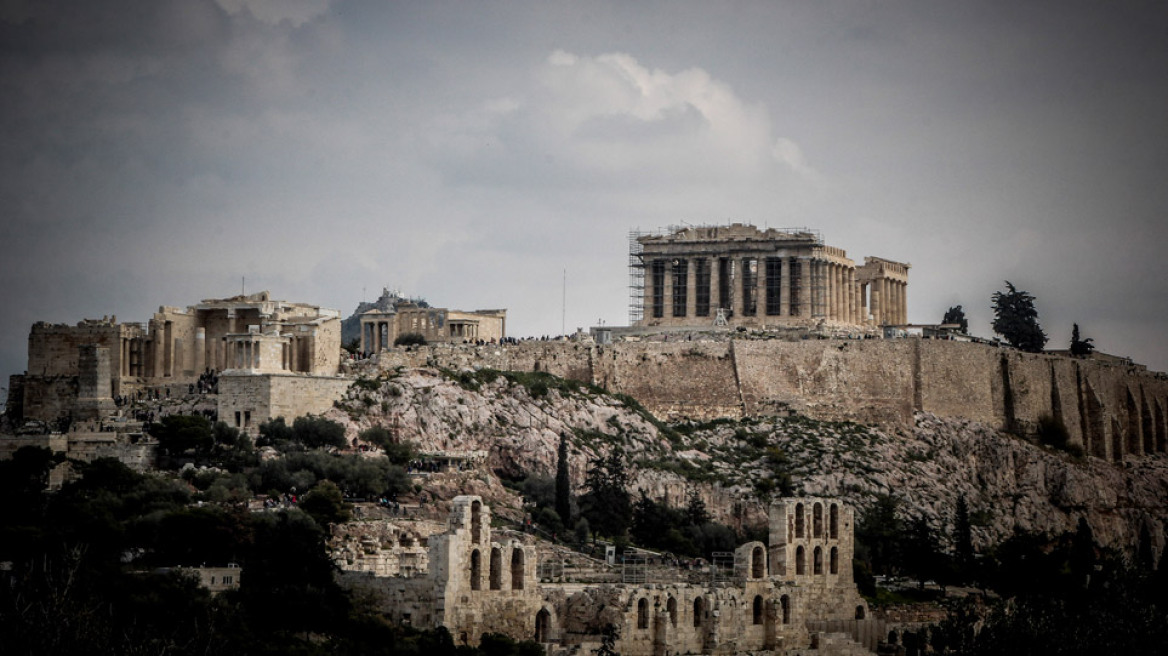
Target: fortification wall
[1108, 408]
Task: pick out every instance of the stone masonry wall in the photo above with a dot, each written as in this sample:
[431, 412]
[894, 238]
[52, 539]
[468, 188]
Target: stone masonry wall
[267, 396]
[1109, 409]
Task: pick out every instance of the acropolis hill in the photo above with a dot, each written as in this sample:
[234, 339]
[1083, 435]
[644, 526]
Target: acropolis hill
[736, 323]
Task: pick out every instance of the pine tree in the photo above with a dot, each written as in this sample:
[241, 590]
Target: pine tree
[963, 539]
[1016, 319]
[695, 510]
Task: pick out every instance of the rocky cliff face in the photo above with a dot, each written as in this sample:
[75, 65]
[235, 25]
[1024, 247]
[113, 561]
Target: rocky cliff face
[738, 465]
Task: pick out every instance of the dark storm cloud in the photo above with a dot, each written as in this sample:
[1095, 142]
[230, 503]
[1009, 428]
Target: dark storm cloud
[157, 152]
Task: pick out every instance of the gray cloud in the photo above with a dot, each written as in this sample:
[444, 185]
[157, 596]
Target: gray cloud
[156, 152]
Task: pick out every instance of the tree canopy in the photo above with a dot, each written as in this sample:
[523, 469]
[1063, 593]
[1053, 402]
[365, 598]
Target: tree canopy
[955, 315]
[1016, 319]
[1080, 347]
[606, 504]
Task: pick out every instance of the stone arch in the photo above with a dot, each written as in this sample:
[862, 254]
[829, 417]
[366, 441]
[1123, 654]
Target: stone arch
[757, 563]
[699, 611]
[833, 561]
[799, 520]
[671, 608]
[817, 520]
[496, 568]
[517, 573]
[817, 560]
[756, 610]
[476, 570]
[800, 561]
[543, 626]
[859, 612]
[476, 521]
[785, 604]
[643, 613]
[833, 522]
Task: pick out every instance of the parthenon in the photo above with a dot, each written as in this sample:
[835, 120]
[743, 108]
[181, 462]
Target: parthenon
[744, 276]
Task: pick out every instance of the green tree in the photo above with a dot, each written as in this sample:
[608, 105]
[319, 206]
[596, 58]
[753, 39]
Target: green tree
[275, 432]
[922, 552]
[695, 509]
[563, 483]
[606, 504]
[183, 434]
[398, 452]
[410, 339]
[1016, 319]
[325, 504]
[318, 432]
[878, 535]
[1080, 347]
[955, 315]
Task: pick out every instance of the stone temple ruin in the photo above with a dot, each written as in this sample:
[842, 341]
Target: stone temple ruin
[794, 595]
[77, 370]
[738, 275]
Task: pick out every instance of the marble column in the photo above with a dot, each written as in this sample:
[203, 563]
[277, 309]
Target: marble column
[805, 287]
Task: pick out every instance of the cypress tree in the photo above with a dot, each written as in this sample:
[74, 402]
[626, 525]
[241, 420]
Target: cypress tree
[563, 483]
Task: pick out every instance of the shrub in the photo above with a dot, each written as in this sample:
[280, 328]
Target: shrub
[410, 339]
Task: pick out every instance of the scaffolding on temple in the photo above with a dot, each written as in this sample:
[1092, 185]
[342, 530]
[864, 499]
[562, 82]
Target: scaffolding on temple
[636, 277]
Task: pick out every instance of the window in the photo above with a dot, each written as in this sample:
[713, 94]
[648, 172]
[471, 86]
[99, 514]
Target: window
[476, 570]
[833, 522]
[517, 569]
[643, 613]
[543, 622]
[757, 615]
[496, 569]
[817, 557]
[800, 559]
[476, 521]
[817, 520]
[799, 521]
[757, 563]
[699, 610]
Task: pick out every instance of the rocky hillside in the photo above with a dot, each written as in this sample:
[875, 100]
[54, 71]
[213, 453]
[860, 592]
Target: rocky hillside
[517, 419]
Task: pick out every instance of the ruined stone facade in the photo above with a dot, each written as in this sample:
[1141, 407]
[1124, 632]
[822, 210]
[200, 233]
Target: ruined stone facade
[478, 582]
[75, 371]
[744, 276]
[379, 328]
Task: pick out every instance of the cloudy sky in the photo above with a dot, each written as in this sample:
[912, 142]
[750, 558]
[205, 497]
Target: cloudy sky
[159, 151]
